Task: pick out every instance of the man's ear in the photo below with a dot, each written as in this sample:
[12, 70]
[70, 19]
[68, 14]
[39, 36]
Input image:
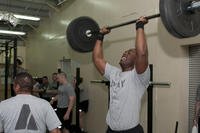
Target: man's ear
[16, 88]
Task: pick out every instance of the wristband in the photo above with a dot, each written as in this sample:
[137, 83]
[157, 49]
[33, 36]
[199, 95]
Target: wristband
[100, 36]
[139, 24]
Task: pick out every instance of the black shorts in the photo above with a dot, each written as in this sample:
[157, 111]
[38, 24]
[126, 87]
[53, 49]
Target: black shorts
[65, 123]
[137, 129]
[83, 106]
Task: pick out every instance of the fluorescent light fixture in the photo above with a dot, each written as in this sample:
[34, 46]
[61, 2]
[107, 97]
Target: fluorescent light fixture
[27, 17]
[12, 32]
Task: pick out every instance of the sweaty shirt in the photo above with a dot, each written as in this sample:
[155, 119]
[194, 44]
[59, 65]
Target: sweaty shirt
[27, 114]
[126, 91]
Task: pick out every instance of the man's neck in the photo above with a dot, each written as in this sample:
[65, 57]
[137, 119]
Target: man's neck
[24, 92]
[127, 69]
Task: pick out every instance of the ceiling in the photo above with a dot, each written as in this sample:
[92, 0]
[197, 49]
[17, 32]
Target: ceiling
[38, 8]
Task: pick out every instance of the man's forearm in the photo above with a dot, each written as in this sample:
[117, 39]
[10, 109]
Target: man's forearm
[141, 44]
[98, 57]
[98, 51]
[141, 62]
[71, 104]
[55, 98]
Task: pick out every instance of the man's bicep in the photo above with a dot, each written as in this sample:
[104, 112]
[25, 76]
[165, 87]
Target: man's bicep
[141, 64]
[144, 77]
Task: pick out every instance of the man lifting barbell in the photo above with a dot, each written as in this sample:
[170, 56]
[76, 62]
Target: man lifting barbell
[180, 18]
[128, 84]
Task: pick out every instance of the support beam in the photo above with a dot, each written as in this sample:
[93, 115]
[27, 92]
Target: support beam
[6, 70]
[150, 104]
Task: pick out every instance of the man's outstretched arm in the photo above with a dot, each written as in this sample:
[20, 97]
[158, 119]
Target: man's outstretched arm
[141, 46]
[98, 57]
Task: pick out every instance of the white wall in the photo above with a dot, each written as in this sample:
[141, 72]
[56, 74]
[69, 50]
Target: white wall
[169, 58]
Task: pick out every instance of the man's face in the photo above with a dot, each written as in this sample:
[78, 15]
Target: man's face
[60, 78]
[45, 81]
[54, 77]
[128, 59]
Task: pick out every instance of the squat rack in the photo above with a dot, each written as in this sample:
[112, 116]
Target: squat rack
[7, 45]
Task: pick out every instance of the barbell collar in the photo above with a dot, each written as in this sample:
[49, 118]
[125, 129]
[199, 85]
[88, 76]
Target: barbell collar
[193, 6]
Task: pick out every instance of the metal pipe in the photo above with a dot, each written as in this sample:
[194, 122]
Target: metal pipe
[160, 83]
[6, 70]
[151, 82]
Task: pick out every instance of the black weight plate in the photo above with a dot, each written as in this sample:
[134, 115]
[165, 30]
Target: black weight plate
[70, 38]
[165, 18]
[185, 23]
[76, 34]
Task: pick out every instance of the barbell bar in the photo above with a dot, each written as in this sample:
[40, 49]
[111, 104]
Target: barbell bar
[181, 18]
[133, 21]
[88, 32]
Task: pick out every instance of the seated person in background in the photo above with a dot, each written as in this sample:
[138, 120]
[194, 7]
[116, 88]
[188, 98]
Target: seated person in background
[44, 87]
[54, 87]
[45, 90]
[19, 66]
[36, 86]
[19, 69]
[45, 83]
[83, 103]
[25, 113]
[54, 84]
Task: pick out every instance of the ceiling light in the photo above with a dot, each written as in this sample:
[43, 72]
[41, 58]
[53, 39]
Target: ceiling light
[27, 17]
[8, 17]
[12, 32]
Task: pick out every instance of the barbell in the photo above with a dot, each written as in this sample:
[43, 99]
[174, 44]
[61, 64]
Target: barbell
[181, 18]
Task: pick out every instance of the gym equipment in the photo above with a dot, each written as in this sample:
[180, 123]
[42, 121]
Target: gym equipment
[180, 17]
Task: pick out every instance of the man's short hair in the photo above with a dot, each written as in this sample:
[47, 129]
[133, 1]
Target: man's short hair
[19, 62]
[54, 73]
[24, 80]
[63, 74]
[45, 77]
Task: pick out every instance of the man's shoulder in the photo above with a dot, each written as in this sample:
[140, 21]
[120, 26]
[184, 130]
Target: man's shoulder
[112, 67]
[23, 98]
[66, 85]
[39, 99]
[7, 100]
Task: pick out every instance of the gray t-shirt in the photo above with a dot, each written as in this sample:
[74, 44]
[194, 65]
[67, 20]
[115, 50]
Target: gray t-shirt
[126, 91]
[64, 91]
[83, 93]
[53, 86]
[27, 114]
